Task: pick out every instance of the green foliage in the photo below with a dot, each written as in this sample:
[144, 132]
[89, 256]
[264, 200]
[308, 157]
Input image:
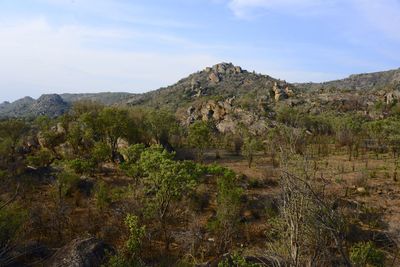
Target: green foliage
[250, 146]
[100, 152]
[161, 125]
[41, 158]
[228, 208]
[238, 261]
[133, 152]
[66, 181]
[130, 255]
[11, 220]
[229, 194]
[11, 133]
[118, 260]
[6, 149]
[366, 254]
[200, 137]
[114, 124]
[136, 234]
[288, 116]
[102, 195]
[83, 166]
[166, 181]
[13, 129]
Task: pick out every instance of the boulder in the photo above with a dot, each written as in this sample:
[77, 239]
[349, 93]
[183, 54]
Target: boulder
[81, 252]
[65, 149]
[214, 77]
[227, 125]
[280, 94]
[122, 143]
[238, 69]
[392, 97]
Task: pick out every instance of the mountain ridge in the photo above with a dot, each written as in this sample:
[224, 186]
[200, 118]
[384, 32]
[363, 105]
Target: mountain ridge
[219, 82]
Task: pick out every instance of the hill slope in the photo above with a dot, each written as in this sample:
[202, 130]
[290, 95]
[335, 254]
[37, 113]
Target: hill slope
[54, 105]
[364, 81]
[215, 90]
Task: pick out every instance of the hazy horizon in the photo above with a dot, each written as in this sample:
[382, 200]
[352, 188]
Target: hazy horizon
[76, 46]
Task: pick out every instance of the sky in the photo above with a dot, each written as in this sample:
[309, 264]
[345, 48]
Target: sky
[76, 46]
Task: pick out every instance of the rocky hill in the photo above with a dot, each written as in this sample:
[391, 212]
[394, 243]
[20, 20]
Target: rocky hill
[228, 94]
[365, 81]
[54, 105]
[225, 93]
[106, 98]
[221, 81]
[51, 105]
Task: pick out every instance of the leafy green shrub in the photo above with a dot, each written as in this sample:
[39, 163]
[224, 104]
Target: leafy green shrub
[102, 195]
[101, 152]
[41, 159]
[200, 137]
[366, 254]
[228, 209]
[130, 255]
[11, 220]
[83, 166]
[133, 152]
[136, 234]
[66, 182]
[236, 260]
[250, 146]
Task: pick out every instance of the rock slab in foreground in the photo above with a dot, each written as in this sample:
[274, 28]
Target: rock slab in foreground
[89, 252]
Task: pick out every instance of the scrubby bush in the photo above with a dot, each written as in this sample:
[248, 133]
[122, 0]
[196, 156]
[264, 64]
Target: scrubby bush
[102, 195]
[130, 253]
[83, 166]
[41, 159]
[11, 220]
[227, 218]
[366, 254]
[238, 261]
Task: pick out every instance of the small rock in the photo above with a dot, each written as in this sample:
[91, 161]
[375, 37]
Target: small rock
[361, 190]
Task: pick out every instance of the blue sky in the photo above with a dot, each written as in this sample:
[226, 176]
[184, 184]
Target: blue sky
[55, 46]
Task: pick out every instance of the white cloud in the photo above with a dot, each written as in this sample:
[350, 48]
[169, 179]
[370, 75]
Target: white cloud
[37, 58]
[249, 8]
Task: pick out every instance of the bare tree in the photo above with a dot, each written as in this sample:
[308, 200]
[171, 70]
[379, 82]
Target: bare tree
[313, 227]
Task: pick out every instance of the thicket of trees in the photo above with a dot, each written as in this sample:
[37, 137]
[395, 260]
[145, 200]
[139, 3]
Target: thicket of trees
[309, 228]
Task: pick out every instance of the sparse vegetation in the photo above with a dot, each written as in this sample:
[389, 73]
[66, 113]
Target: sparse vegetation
[285, 180]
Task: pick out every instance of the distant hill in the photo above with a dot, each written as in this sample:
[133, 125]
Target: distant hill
[107, 98]
[54, 105]
[50, 104]
[216, 90]
[365, 81]
[218, 82]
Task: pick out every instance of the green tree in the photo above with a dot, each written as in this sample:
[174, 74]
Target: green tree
[366, 254]
[250, 147]
[161, 125]
[41, 158]
[166, 182]
[349, 131]
[130, 255]
[114, 123]
[228, 207]
[11, 221]
[200, 137]
[12, 132]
